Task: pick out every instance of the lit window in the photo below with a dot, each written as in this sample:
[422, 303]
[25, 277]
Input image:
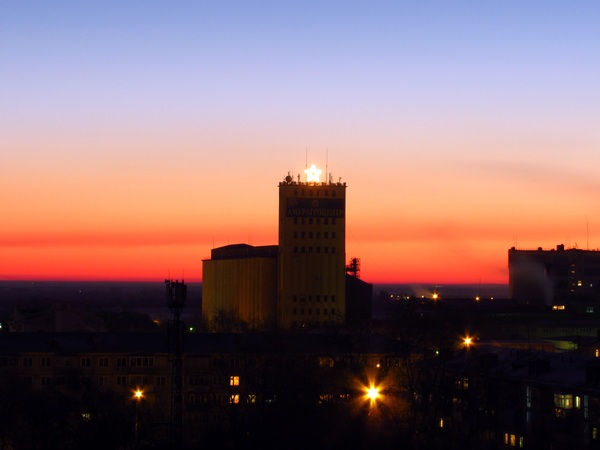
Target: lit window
[564, 401]
[234, 399]
[462, 383]
[234, 380]
[251, 398]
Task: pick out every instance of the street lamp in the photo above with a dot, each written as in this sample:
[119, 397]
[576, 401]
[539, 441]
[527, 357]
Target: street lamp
[373, 393]
[138, 395]
[468, 341]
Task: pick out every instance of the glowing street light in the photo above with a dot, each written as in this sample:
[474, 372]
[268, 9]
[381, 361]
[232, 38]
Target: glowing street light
[468, 341]
[372, 393]
[138, 394]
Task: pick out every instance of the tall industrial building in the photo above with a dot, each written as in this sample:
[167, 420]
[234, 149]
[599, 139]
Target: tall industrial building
[311, 287]
[300, 283]
[557, 277]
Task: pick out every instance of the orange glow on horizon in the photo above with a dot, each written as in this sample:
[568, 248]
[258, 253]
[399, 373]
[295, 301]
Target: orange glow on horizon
[133, 231]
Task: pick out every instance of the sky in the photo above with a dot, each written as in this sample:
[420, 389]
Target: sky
[136, 136]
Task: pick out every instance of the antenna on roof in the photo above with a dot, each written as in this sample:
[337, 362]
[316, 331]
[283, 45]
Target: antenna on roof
[327, 162]
[306, 157]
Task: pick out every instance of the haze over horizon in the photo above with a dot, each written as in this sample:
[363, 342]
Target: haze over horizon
[136, 137]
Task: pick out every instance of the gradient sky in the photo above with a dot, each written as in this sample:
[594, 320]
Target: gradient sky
[135, 136]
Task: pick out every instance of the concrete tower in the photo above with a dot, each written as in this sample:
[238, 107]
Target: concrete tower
[311, 252]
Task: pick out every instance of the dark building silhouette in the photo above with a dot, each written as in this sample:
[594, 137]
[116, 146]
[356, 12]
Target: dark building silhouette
[359, 298]
[301, 282]
[557, 277]
[505, 398]
[312, 252]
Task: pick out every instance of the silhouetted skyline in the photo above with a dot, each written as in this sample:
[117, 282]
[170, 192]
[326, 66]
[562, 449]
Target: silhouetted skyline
[137, 137]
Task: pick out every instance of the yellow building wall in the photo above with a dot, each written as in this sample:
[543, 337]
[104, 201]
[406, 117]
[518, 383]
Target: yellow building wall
[312, 254]
[245, 286]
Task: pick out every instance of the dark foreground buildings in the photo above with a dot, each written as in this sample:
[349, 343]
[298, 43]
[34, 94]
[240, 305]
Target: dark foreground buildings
[78, 390]
[296, 391]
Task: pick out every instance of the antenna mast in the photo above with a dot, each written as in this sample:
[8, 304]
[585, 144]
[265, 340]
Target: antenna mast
[327, 163]
[176, 300]
[306, 157]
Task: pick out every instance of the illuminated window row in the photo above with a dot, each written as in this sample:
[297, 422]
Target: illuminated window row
[205, 399]
[513, 440]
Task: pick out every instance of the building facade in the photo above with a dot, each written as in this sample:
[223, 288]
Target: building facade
[240, 280]
[302, 281]
[312, 248]
[557, 277]
[106, 390]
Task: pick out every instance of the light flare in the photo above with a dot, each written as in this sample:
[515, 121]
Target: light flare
[313, 174]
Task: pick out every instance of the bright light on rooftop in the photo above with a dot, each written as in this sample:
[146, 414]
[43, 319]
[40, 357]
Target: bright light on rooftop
[313, 174]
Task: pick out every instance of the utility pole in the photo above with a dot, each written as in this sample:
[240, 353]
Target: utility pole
[176, 299]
